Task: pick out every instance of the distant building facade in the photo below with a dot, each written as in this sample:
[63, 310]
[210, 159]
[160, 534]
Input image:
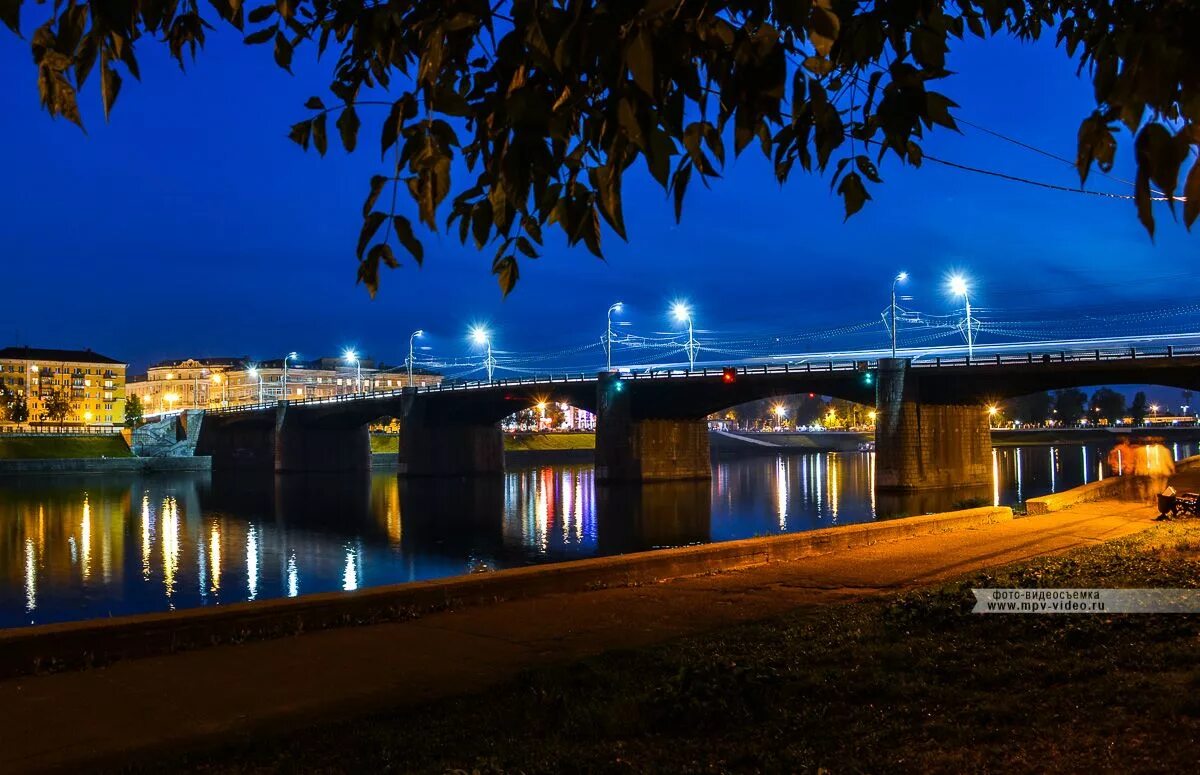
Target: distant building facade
[212, 383]
[93, 384]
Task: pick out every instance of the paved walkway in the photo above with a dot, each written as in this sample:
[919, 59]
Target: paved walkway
[68, 720]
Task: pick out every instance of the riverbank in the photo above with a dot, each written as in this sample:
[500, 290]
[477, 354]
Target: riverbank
[238, 691]
[58, 447]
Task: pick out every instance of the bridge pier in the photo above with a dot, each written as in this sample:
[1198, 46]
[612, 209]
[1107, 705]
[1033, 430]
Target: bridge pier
[629, 449]
[926, 439]
[243, 442]
[325, 447]
[442, 447]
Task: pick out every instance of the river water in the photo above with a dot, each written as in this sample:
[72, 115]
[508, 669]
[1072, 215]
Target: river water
[80, 547]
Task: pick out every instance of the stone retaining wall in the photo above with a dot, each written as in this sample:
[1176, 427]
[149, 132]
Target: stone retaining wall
[104, 465]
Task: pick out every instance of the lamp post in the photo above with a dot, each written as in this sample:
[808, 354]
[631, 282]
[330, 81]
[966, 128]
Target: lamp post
[286, 358]
[411, 337]
[217, 380]
[253, 373]
[780, 412]
[350, 356]
[483, 338]
[958, 286]
[683, 313]
[898, 279]
[608, 335]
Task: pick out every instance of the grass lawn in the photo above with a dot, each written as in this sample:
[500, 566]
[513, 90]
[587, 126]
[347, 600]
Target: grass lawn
[548, 441]
[911, 683]
[45, 447]
[385, 444]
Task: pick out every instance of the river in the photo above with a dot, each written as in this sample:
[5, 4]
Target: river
[91, 546]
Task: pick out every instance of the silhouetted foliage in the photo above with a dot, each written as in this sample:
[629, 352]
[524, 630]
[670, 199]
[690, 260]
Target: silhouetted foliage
[1070, 405]
[1035, 408]
[1108, 403]
[550, 102]
[1137, 410]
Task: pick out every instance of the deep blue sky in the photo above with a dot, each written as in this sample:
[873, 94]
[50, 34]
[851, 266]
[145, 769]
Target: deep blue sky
[190, 225]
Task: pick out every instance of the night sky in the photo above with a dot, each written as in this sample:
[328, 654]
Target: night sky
[190, 225]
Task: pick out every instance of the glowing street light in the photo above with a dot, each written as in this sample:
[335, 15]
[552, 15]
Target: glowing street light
[254, 373]
[1154, 410]
[483, 338]
[217, 380]
[780, 412]
[898, 279]
[683, 313]
[992, 411]
[608, 335]
[411, 337]
[959, 287]
[287, 358]
[350, 356]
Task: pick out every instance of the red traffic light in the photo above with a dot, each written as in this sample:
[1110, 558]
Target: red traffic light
[729, 375]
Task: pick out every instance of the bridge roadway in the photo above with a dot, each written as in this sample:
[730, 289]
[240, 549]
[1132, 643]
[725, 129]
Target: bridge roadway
[932, 428]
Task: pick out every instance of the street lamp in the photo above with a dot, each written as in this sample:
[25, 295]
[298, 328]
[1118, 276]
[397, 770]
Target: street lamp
[608, 336]
[483, 338]
[286, 358]
[958, 286]
[992, 411]
[683, 313]
[780, 412]
[897, 279]
[413, 336]
[350, 356]
[216, 380]
[253, 373]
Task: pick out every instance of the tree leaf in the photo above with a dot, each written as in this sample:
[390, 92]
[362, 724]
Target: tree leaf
[819, 66]
[348, 124]
[679, 183]
[10, 14]
[300, 133]
[823, 27]
[261, 14]
[853, 193]
[381, 251]
[262, 36]
[377, 183]
[371, 224]
[506, 272]
[867, 169]
[639, 58]
[526, 247]
[1191, 190]
[320, 142]
[110, 87]
[404, 233]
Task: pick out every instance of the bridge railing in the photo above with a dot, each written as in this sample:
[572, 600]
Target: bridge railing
[804, 367]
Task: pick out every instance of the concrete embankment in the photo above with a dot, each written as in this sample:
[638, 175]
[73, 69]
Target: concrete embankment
[117, 465]
[87, 643]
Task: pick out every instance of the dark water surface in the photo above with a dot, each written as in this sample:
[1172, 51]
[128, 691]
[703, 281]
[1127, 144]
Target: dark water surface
[80, 547]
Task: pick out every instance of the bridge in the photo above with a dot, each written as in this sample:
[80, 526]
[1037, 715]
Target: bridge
[932, 426]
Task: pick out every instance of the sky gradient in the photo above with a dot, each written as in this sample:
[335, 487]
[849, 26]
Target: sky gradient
[190, 225]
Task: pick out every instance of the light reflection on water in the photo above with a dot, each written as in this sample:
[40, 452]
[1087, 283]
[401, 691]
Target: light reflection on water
[97, 546]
